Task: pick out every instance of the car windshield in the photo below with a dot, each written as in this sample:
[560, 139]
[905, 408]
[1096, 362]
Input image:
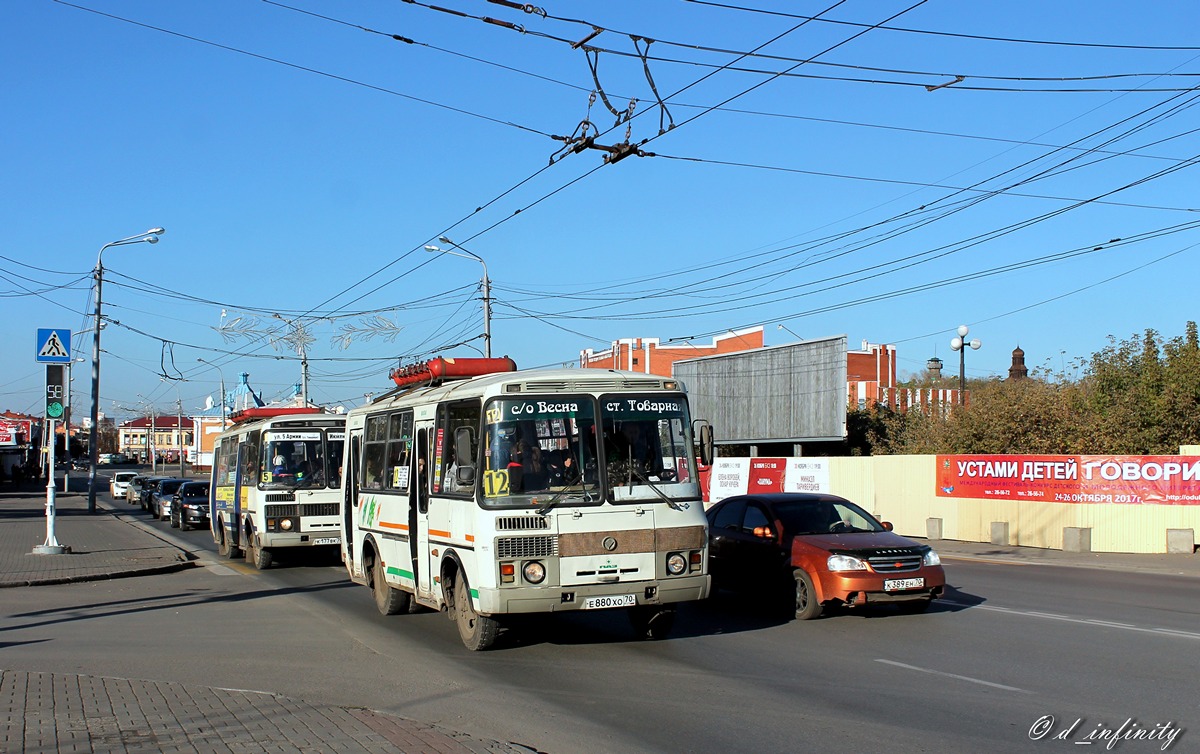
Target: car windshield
[169, 486]
[195, 491]
[801, 517]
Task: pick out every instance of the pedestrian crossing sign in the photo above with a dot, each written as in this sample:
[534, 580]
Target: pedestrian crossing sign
[53, 345]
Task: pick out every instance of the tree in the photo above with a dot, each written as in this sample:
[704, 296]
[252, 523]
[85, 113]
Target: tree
[1137, 396]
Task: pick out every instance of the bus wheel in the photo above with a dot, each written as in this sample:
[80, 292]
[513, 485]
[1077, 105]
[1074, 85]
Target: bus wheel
[257, 555]
[225, 548]
[477, 631]
[652, 621]
[388, 599]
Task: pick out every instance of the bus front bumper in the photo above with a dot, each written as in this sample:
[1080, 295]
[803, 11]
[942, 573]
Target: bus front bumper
[592, 596]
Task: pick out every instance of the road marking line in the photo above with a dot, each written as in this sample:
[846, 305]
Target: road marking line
[954, 675]
[1091, 622]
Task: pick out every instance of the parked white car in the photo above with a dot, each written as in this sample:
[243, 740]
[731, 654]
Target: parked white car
[119, 483]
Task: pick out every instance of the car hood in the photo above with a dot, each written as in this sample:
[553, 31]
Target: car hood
[855, 541]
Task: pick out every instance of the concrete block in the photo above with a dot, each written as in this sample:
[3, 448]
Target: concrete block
[999, 532]
[1077, 539]
[933, 528]
[1181, 541]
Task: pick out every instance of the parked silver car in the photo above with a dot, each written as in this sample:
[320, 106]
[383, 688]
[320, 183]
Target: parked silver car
[160, 497]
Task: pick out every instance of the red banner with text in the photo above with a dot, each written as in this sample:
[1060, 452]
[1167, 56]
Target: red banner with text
[1137, 480]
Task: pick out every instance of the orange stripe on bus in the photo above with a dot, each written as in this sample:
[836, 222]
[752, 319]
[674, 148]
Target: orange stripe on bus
[388, 525]
[470, 537]
[437, 533]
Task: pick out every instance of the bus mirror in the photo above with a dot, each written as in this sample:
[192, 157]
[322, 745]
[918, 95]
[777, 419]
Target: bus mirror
[463, 447]
[465, 476]
[706, 444]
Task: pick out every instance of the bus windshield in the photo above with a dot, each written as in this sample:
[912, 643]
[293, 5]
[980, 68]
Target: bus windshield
[540, 448]
[647, 446]
[294, 459]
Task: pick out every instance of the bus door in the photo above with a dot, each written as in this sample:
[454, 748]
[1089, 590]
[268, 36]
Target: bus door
[350, 500]
[418, 515]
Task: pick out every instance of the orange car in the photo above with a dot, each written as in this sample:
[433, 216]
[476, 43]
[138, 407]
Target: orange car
[830, 550]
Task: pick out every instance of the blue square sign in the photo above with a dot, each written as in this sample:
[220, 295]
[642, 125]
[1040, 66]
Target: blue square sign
[53, 345]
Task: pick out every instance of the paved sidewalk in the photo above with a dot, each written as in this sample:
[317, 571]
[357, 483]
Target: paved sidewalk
[104, 545]
[58, 712]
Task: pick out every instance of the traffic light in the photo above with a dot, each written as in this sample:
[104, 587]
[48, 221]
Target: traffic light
[55, 391]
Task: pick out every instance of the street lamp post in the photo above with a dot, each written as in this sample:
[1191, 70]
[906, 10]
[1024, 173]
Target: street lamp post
[959, 343]
[487, 288]
[222, 375]
[151, 447]
[150, 236]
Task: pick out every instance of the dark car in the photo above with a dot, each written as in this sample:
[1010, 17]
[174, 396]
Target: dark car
[826, 549]
[147, 489]
[189, 506]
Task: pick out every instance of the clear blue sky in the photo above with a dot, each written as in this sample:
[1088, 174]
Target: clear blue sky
[300, 158]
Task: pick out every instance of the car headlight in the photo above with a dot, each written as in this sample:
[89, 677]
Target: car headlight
[845, 563]
[932, 558]
[676, 564]
[534, 572]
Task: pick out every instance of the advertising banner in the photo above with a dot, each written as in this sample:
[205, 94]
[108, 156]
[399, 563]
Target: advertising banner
[14, 431]
[1135, 480]
[739, 476]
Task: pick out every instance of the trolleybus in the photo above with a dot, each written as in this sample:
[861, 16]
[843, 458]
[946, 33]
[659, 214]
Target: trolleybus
[484, 492]
[276, 481]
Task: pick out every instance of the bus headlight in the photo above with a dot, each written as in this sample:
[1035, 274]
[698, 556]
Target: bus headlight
[534, 572]
[676, 564]
[286, 524]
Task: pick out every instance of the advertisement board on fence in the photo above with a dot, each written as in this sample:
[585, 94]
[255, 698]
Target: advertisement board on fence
[13, 431]
[738, 476]
[1135, 480]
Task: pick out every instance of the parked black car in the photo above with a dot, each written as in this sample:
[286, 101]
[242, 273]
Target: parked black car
[189, 506]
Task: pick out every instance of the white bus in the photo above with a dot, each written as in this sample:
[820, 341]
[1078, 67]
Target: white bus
[484, 492]
[275, 482]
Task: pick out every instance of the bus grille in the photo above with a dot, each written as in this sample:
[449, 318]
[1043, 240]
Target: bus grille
[279, 497]
[320, 509]
[522, 523]
[527, 547]
[307, 509]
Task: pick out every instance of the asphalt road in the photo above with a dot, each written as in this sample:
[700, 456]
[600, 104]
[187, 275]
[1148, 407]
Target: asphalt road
[1011, 645]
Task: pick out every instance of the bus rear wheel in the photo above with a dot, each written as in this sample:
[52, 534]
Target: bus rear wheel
[225, 547]
[389, 600]
[477, 631]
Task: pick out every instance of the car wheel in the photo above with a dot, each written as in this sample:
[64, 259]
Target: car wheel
[174, 522]
[476, 631]
[807, 607]
[389, 600]
[652, 621]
